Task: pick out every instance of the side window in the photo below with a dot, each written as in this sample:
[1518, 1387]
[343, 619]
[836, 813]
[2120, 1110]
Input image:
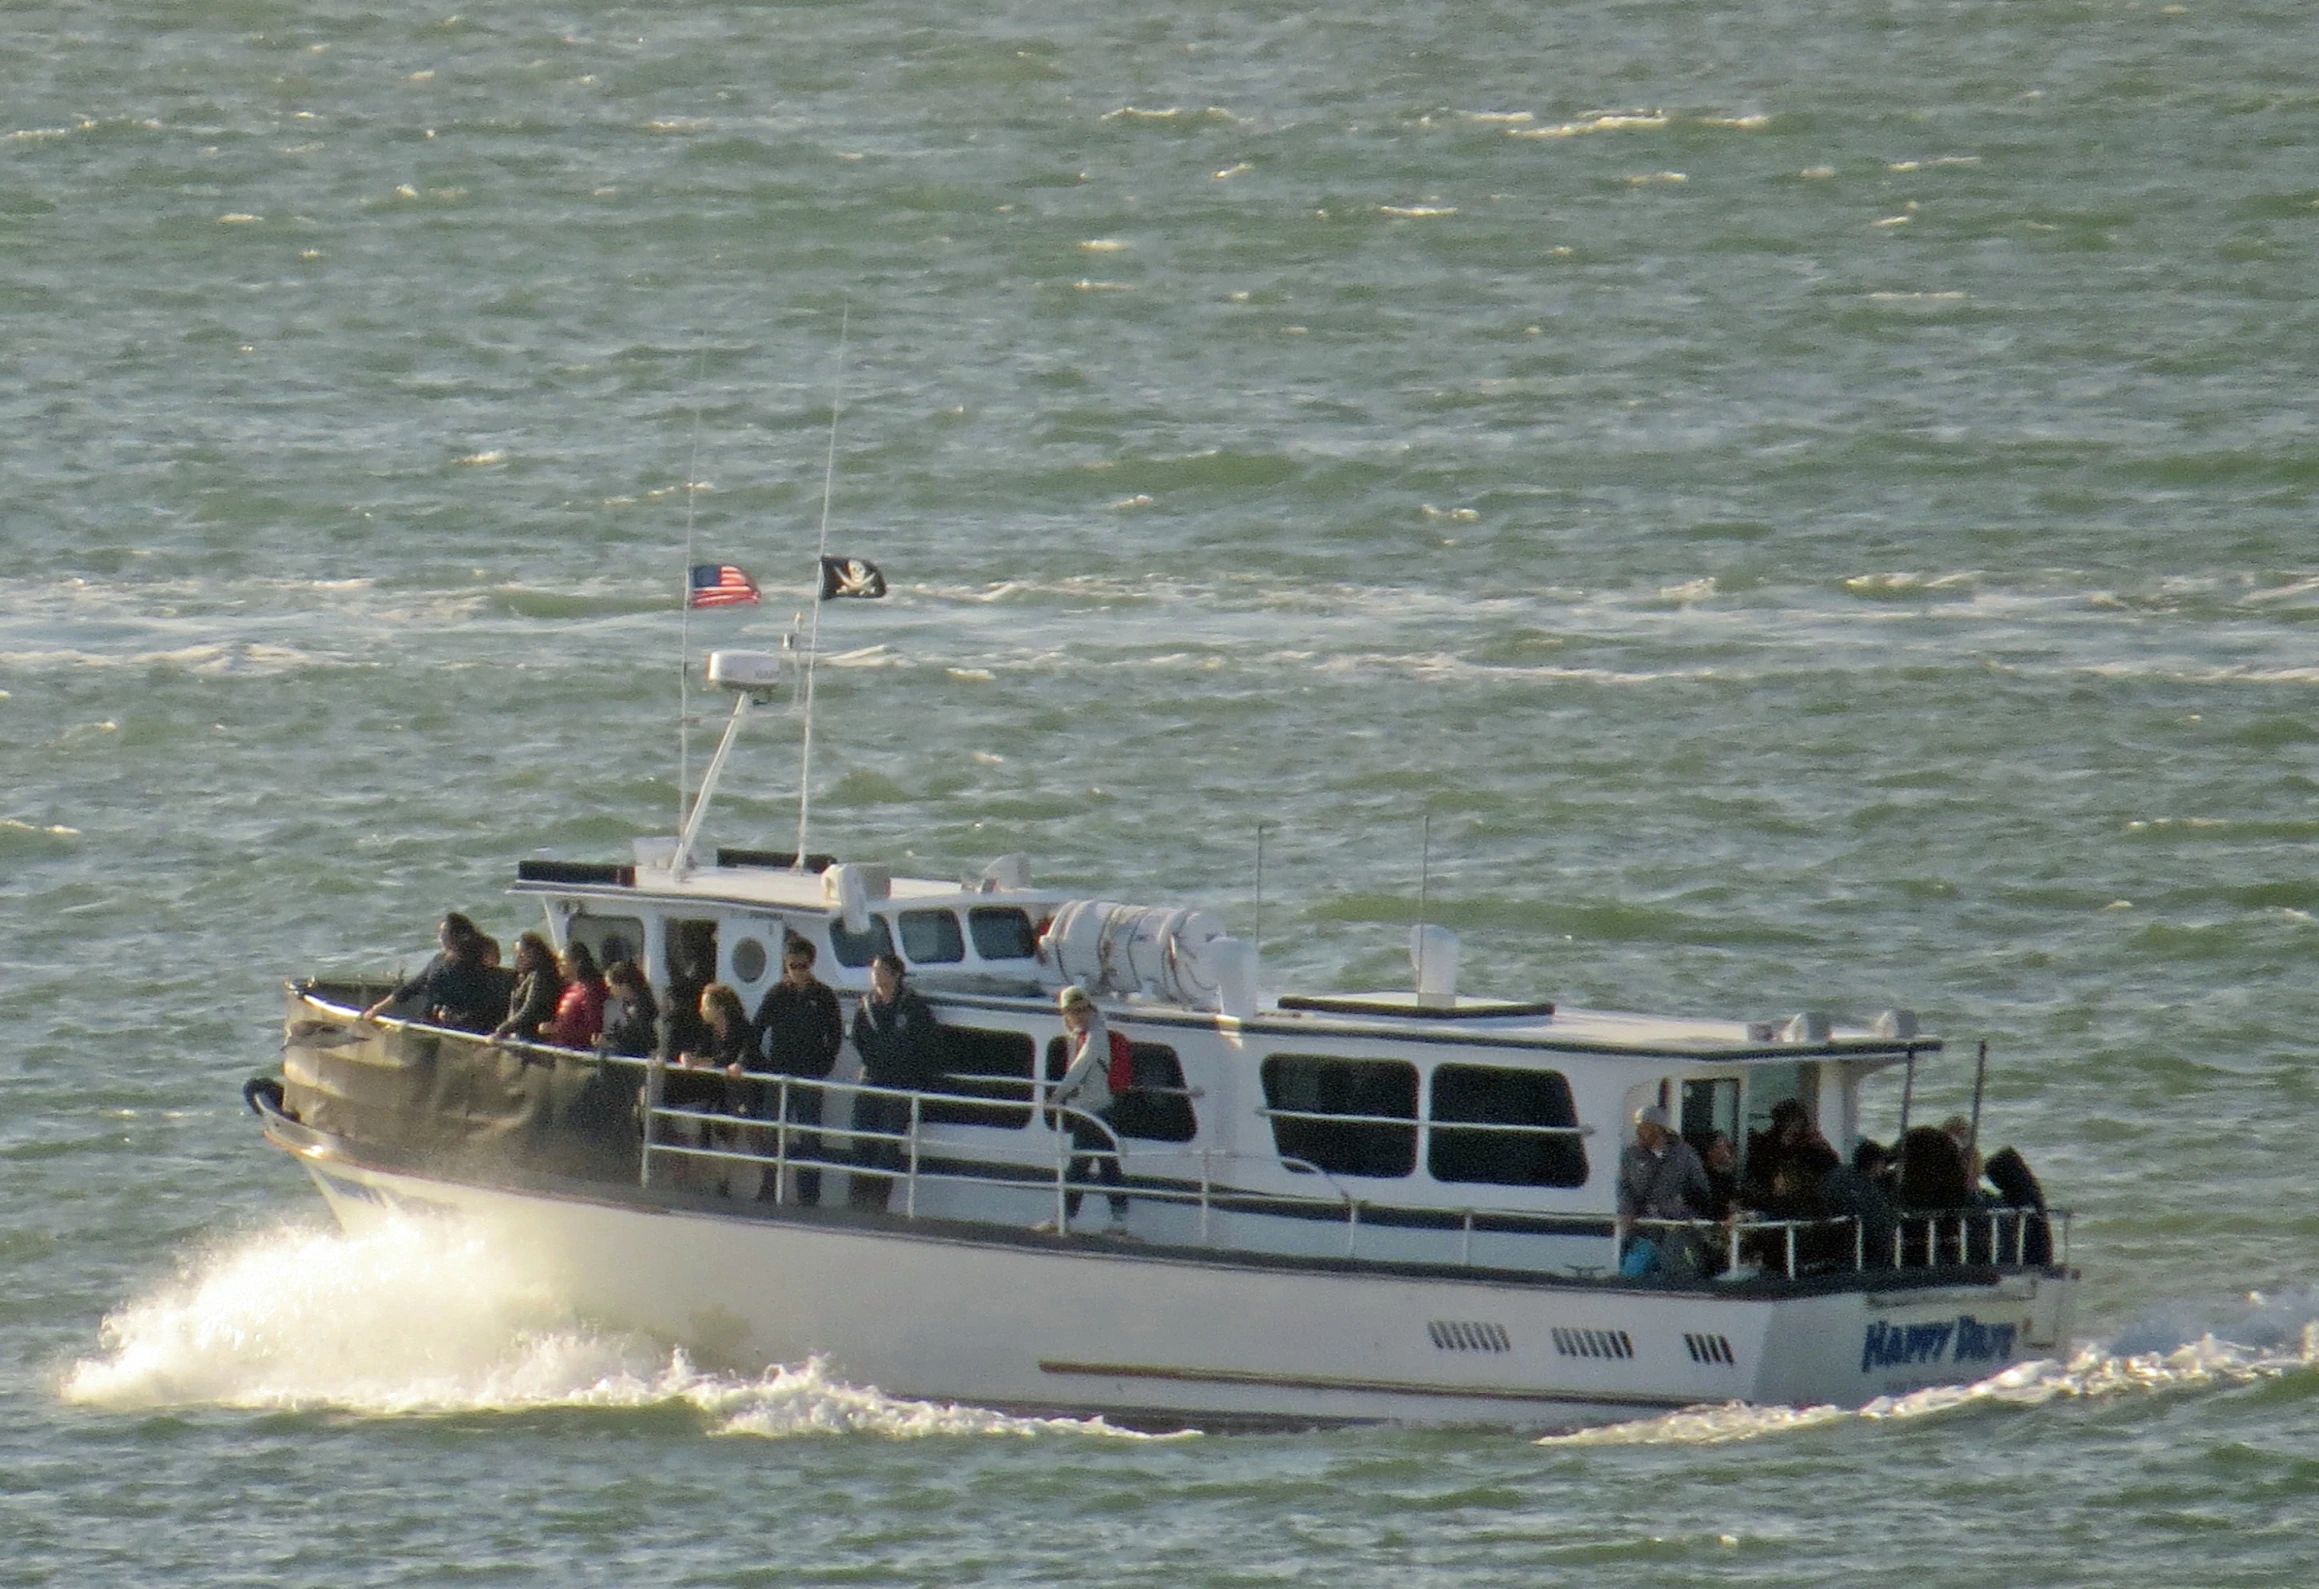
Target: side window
[931, 937]
[1303, 1091]
[1503, 1098]
[1002, 932]
[609, 938]
[859, 949]
[1158, 1108]
[991, 1066]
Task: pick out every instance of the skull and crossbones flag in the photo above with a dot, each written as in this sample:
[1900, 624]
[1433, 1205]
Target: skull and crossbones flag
[851, 576]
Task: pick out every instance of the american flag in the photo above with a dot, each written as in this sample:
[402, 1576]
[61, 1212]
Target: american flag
[721, 585]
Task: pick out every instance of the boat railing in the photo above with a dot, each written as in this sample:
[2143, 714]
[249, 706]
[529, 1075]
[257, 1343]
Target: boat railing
[1746, 1243]
[2003, 1237]
[910, 1146]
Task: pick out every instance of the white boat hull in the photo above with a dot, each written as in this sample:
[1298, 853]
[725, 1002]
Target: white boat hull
[1171, 1336]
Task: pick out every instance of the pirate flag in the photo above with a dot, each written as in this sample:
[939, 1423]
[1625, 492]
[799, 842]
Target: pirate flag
[851, 576]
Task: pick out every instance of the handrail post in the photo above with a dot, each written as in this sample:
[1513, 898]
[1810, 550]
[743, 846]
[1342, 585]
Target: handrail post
[1731, 1261]
[1352, 1225]
[1791, 1231]
[910, 1188]
[1859, 1243]
[1206, 1239]
[1062, 1196]
[1465, 1246]
[781, 1142]
[655, 1078]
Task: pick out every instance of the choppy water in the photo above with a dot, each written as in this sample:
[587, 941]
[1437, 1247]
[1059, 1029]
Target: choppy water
[1817, 500]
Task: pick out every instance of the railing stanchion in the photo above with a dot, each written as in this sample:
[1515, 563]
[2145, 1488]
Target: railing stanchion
[1731, 1259]
[1465, 1246]
[1062, 1203]
[1859, 1243]
[781, 1142]
[910, 1188]
[1206, 1240]
[1352, 1226]
[655, 1078]
[1791, 1235]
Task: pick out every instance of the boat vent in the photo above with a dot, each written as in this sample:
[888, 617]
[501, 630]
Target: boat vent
[1709, 1349]
[1593, 1343]
[574, 872]
[1456, 1335]
[778, 860]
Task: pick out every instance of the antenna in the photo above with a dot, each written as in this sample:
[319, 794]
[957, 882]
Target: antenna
[1258, 937]
[1424, 887]
[692, 476]
[813, 635]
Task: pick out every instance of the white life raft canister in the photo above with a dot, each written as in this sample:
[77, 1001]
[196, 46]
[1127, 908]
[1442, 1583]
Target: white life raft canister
[1153, 950]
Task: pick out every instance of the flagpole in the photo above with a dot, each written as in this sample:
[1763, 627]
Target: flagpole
[692, 472]
[813, 633]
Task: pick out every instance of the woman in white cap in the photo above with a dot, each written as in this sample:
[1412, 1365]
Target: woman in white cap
[1101, 1065]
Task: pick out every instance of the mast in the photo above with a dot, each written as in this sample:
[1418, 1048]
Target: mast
[813, 633]
[692, 477]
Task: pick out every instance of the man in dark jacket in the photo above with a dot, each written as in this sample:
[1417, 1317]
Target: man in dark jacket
[901, 1047]
[799, 1032]
[456, 988]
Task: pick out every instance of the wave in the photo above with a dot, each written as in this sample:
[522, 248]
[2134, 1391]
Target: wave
[428, 1317]
[2276, 1336]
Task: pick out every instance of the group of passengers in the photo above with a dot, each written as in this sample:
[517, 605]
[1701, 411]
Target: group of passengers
[543, 998]
[1793, 1176]
[725, 1065]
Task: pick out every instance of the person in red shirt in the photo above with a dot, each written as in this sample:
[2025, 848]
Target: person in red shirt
[579, 1016]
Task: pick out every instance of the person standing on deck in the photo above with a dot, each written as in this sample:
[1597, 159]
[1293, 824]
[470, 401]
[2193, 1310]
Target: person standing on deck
[901, 1047]
[1101, 1066]
[799, 1032]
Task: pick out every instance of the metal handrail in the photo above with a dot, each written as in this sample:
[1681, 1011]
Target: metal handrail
[1929, 1223]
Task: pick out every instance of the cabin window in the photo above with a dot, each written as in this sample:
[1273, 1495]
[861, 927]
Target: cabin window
[1303, 1090]
[749, 961]
[860, 948]
[609, 938]
[1158, 1108]
[1709, 1107]
[1768, 1086]
[1002, 932]
[1497, 1096]
[994, 1067]
[931, 937]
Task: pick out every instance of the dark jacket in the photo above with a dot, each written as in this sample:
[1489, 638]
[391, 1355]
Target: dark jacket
[634, 1029]
[454, 992]
[799, 1030]
[900, 1043]
[534, 1001]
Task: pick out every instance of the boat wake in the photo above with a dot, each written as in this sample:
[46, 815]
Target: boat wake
[2270, 1336]
[423, 1317]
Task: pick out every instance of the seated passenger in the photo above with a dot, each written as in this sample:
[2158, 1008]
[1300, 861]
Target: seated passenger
[1790, 1161]
[454, 988]
[2017, 1184]
[1660, 1178]
[1856, 1192]
[631, 1014]
[579, 1016]
[1721, 1161]
[538, 987]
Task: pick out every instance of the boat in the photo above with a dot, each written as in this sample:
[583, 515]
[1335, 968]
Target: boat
[1395, 1205]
